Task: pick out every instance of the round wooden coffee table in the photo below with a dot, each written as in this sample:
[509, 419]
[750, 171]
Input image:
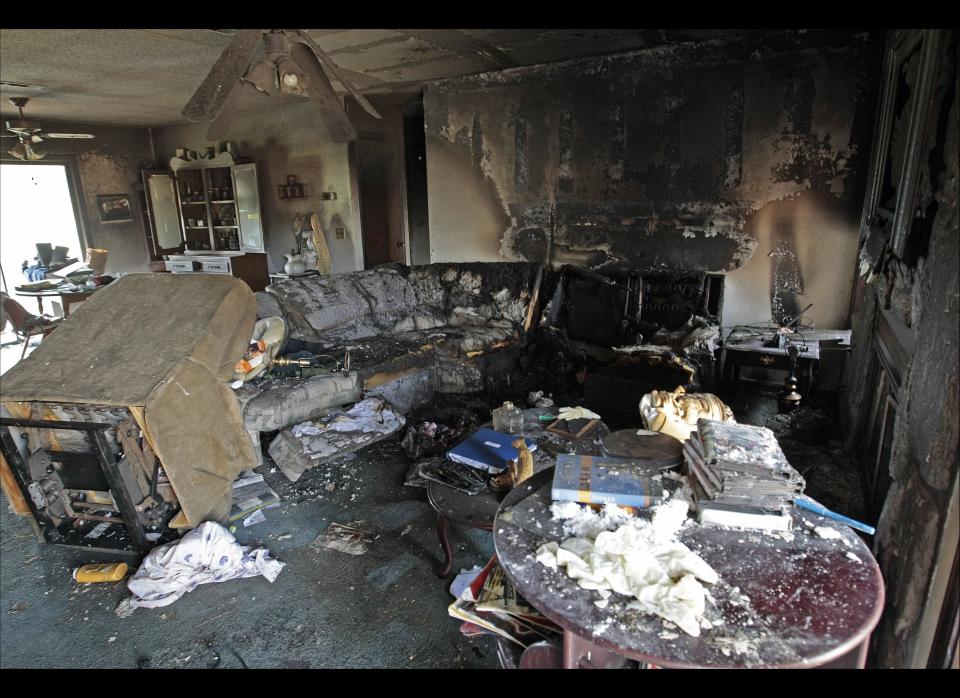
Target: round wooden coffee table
[801, 602]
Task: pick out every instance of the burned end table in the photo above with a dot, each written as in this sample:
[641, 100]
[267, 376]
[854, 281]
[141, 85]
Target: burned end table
[788, 601]
[474, 510]
[479, 510]
[754, 354]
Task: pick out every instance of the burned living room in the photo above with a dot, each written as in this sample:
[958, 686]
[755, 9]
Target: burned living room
[380, 348]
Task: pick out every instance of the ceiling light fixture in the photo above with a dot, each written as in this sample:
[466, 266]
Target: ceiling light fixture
[25, 151]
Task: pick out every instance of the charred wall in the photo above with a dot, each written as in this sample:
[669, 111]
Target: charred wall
[920, 286]
[744, 156]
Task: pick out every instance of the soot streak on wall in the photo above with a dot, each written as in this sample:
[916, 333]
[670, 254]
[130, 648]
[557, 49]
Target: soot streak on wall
[744, 156]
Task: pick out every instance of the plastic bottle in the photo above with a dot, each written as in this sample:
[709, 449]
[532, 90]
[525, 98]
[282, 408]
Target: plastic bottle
[508, 419]
[106, 572]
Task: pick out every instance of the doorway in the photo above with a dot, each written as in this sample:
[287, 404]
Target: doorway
[415, 165]
[36, 206]
[382, 242]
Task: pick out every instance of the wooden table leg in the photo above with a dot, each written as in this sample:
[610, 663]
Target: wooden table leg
[581, 653]
[443, 533]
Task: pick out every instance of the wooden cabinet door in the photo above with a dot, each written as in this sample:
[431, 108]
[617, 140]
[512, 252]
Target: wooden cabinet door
[909, 68]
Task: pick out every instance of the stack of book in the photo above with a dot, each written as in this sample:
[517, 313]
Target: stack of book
[490, 605]
[740, 477]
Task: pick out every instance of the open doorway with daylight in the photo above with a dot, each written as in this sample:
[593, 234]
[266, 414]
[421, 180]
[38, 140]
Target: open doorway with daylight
[39, 231]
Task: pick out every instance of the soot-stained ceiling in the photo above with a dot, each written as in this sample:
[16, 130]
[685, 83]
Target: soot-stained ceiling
[143, 77]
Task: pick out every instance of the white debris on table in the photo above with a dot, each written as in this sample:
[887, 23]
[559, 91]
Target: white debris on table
[615, 551]
[827, 532]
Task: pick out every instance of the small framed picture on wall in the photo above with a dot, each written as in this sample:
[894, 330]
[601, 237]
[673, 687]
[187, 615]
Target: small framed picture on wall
[114, 208]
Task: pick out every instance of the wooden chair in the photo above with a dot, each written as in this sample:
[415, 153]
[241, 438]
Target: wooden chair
[26, 324]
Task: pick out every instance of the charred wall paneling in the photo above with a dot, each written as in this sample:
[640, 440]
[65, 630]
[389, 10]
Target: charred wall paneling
[744, 156]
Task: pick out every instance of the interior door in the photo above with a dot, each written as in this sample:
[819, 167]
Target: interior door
[378, 177]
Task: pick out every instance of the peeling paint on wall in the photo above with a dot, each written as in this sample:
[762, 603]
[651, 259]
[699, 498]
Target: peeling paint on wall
[658, 159]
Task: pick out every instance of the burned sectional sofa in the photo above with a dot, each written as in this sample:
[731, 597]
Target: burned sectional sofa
[411, 331]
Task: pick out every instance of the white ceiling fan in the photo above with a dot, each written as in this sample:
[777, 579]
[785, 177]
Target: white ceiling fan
[28, 133]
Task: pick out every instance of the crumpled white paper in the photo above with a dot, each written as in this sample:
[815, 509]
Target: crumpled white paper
[640, 559]
[207, 554]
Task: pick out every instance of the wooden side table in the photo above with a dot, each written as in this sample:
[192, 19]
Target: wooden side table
[479, 510]
[756, 355]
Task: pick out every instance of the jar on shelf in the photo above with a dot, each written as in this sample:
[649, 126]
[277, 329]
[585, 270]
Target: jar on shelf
[508, 419]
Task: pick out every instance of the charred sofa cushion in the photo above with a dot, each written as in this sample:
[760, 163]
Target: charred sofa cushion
[280, 402]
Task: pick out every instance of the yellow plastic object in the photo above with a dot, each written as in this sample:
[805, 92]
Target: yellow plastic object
[108, 572]
[677, 413]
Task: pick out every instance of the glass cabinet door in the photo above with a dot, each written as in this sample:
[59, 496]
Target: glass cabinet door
[248, 207]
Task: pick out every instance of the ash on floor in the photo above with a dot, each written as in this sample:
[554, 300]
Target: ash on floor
[385, 608]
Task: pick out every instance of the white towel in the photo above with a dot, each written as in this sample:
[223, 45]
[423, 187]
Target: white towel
[208, 553]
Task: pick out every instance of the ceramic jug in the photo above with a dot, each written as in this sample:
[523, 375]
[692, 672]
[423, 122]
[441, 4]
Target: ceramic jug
[294, 264]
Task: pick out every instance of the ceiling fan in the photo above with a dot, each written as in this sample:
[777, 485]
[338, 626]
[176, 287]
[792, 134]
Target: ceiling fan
[29, 133]
[292, 64]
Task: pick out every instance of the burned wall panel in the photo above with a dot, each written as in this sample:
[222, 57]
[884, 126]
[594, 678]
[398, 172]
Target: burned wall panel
[919, 286]
[666, 158]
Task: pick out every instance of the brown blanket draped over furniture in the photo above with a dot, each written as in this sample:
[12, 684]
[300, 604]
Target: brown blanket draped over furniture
[162, 346]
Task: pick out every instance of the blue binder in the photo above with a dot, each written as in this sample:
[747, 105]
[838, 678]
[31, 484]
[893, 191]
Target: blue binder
[487, 449]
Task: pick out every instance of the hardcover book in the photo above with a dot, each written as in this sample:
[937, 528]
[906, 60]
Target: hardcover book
[601, 480]
[744, 448]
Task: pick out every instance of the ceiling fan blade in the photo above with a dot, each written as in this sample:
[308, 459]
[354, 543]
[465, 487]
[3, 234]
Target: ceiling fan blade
[319, 88]
[66, 135]
[221, 125]
[208, 100]
[302, 37]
